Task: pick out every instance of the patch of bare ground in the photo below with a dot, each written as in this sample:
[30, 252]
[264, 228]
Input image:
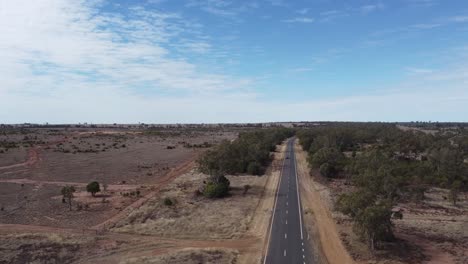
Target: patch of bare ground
[431, 231]
[316, 202]
[437, 227]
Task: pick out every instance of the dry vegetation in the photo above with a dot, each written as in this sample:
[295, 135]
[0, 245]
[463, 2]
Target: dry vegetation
[129, 162]
[189, 256]
[432, 230]
[192, 215]
[129, 222]
[41, 248]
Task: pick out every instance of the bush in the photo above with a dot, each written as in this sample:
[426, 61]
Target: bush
[326, 170]
[217, 189]
[168, 201]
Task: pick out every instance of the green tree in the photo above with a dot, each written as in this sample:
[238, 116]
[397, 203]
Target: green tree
[332, 156]
[353, 203]
[68, 194]
[374, 224]
[93, 188]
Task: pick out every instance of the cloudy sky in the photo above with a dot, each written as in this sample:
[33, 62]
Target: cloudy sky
[174, 61]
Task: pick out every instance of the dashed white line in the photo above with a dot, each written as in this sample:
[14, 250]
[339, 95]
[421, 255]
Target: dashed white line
[285, 252]
[285, 235]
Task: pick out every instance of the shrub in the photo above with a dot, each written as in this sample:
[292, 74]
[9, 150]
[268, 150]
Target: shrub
[168, 201]
[67, 193]
[217, 189]
[326, 170]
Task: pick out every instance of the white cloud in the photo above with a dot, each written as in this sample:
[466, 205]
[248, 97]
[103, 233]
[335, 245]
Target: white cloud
[412, 70]
[459, 19]
[299, 20]
[422, 3]
[371, 8]
[223, 8]
[426, 26]
[303, 11]
[50, 46]
[301, 69]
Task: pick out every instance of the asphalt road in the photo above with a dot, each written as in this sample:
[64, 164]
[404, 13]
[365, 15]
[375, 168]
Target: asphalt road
[288, 241]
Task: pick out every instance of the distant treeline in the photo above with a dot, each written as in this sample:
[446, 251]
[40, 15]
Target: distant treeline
[387, 165]
[249, 153]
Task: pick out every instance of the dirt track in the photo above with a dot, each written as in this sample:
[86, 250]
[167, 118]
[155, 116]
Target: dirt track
[33, 157]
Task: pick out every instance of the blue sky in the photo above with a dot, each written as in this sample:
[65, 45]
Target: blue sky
[171, 61]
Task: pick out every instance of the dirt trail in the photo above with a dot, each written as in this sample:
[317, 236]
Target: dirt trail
[111, 187]
[331, 244]
[33, 155]
[33, 158]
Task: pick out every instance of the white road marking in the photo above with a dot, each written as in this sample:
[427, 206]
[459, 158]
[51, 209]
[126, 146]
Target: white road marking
[285, 235]
[286, 211]
[285, 252]
[286, 221]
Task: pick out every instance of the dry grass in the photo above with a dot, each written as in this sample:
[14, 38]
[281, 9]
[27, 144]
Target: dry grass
[40, 248]
[197, 217]
[189, 256]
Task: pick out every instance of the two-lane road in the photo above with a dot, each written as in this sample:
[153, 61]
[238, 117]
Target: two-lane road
[288, 241]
